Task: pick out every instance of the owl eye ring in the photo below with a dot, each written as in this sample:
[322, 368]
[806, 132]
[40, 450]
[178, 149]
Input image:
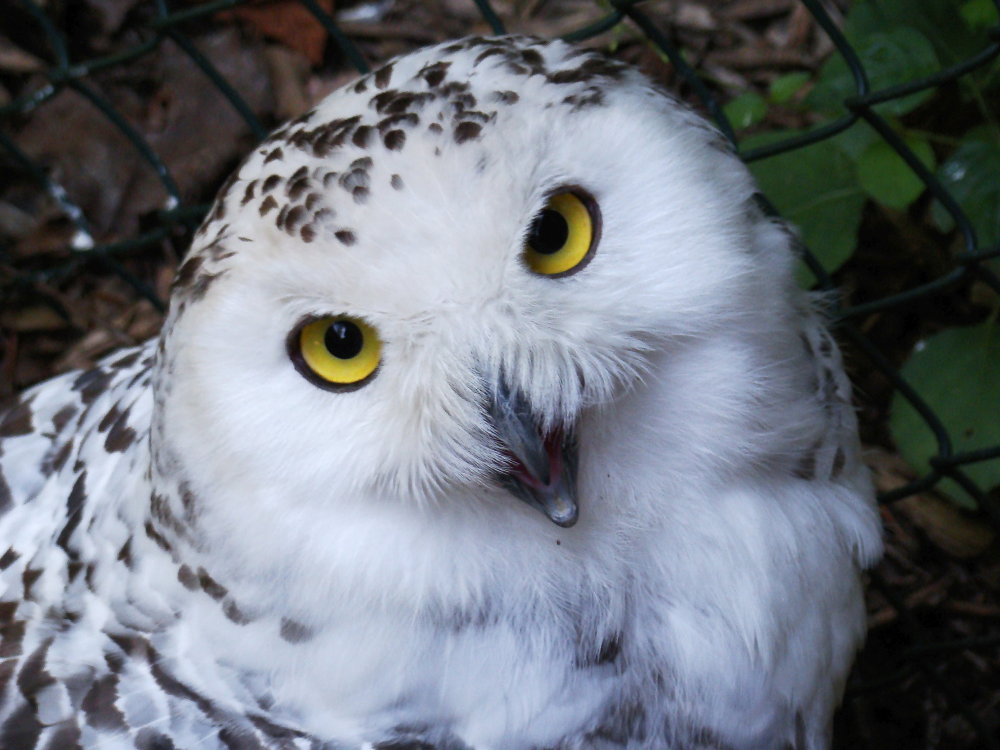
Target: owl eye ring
[563, 236]
[335, 352]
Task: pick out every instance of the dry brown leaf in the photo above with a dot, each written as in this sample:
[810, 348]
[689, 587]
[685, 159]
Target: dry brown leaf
[320, 86]
[15, 222]
[408, 31]
[164, 278]
[289, 81]
[288, 22]
[800, 25]
[947, 526]
[889, 470]
[85, 352]
[100, 169]
[110, 13]
[191, 125]
[34, 318]
[13, 59]
[94, 167]
[145, 321]
[749, 10]
[51, 236]
[953, 530]
[760, 56]
[695, 16]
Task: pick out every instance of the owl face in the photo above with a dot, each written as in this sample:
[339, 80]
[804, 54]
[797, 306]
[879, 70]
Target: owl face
[427, 287]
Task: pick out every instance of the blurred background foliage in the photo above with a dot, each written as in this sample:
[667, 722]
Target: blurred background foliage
[955, 134]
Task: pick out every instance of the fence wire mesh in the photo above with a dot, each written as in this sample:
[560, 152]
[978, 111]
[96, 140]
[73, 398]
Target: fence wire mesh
[908, 685]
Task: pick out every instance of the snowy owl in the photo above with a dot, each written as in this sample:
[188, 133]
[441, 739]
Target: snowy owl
[486, 416]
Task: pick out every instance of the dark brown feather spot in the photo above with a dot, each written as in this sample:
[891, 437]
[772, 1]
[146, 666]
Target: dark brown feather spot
[28, 578]
[297, 187]
[466, 131]
[121, 436]
[90, 385]
[187, 577]
[59, 459]
[99, 705]
[61, 418]
[210, 586]
[294, 218]
[383, 75]
[294, 632]
[125, 553]
[248, 194]
[433, 74]
[17, 419]
[6, 497]
[394, 140]
[9, 558]
[74, 513]
[11, 633]
[157, 537]
[232, 611]
[268, 204]
[362, 136]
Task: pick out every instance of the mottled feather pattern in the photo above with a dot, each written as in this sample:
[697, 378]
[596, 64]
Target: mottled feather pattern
[200, 549]
[81, 665]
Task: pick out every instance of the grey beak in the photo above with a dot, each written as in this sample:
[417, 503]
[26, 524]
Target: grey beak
[542, 469]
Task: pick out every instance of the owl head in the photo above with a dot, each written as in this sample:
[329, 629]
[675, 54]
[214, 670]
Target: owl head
[429, 290]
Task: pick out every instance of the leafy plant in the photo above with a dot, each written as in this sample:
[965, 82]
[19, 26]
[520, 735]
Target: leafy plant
[816, 188]
[972, 175]
[825, 187]
[957, 372]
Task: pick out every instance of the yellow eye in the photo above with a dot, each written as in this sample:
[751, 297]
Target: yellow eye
[562, 237]
[335, 352]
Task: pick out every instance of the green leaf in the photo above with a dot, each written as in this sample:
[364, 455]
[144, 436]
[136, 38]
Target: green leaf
[937, 20]
[817, 189]
[855, 140]
[979, 15]
[957, 372]
[783, 88]
[889, 58]
[746, 110]
[887, 178]
[970, 175]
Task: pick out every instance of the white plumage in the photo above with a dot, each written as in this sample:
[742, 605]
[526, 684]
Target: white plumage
[206, 545]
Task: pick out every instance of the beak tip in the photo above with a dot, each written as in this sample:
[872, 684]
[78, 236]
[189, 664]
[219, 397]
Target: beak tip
[565, 521]
[560, 508]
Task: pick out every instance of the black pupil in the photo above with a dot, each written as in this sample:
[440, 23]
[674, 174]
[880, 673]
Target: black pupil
[343, 339]
[548, 232]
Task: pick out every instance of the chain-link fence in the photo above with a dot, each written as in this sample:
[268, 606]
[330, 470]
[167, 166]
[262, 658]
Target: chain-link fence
[916, 663]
